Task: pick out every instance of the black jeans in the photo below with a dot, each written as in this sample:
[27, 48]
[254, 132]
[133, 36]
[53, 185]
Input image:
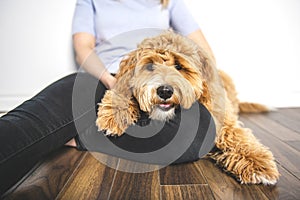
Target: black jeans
[67, 108]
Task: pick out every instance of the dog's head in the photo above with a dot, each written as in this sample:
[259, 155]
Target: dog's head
[163, 73]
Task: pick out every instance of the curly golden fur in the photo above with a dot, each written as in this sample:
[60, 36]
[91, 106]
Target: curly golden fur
[170, 70]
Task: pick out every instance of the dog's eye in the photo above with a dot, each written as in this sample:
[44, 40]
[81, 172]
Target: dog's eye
[149, 66]
[178, 65]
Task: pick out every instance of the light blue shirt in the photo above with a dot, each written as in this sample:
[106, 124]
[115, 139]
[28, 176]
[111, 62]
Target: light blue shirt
[119, 25]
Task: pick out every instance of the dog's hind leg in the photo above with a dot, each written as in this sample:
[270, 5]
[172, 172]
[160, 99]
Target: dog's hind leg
[242, 155]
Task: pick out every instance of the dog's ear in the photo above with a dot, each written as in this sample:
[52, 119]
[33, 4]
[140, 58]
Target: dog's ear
[125, 74]
[205, 97]
[207, 65]
[208, 72]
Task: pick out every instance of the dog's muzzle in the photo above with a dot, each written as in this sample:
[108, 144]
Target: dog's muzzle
[165, 92]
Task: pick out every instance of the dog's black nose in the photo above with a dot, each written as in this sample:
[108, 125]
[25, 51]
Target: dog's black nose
[165, 91]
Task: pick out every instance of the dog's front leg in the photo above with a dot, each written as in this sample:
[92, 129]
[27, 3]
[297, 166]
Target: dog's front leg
[116, 112]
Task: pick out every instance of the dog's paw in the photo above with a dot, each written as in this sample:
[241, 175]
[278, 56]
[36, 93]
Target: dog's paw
[259, 179]
[108, 126]
[255, 169]
[263, 175]
[116, 113]
[112, 133]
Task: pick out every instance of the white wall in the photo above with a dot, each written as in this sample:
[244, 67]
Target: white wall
[256, 41]
[35, 47]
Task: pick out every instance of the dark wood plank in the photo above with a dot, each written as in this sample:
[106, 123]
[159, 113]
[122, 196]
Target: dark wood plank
[285, 120]
[293, 113]
[181, 174]
[190, 192]
[225, 187]
[294, 144]
[270, 191]
[135, 185]
[289, 136]
[288, 187]
[69, 174]
[284, 154]
[136, 167]
[273, 127]
[91, 180]
[50, 177]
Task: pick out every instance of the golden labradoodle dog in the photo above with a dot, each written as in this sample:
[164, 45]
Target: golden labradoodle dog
[170, 70]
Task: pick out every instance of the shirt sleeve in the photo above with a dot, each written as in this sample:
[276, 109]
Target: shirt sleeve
[181, 20]
[83, 19]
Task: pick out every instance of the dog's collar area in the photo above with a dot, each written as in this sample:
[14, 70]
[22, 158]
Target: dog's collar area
[144, 119]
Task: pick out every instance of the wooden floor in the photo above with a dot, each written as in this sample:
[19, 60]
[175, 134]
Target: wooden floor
[71, 175]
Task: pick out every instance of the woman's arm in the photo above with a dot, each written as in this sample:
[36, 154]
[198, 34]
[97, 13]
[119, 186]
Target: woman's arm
[198, 37]
[86, 57]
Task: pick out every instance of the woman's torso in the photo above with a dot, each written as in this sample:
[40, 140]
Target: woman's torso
[121, 24]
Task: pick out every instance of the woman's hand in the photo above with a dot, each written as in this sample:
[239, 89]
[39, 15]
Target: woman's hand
[108, 80]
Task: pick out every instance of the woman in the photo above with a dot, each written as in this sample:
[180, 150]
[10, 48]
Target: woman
[48, 120]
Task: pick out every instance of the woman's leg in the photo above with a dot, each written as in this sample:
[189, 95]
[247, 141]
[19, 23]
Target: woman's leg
[42, 124]
[187, 137]
[68, 107]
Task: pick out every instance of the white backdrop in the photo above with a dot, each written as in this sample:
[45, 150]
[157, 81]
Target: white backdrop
[35, 47]
[256, 41]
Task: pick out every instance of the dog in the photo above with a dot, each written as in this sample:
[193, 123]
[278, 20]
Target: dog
[170, 70]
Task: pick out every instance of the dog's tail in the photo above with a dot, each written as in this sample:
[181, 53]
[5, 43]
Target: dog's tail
[247, 107]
